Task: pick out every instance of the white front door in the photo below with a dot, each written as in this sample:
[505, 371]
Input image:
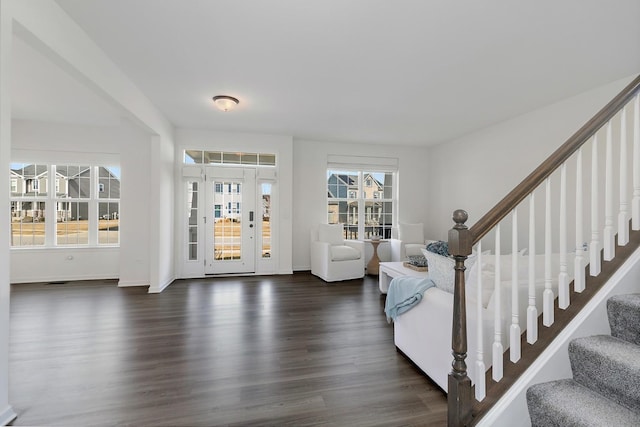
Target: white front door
[231, 217]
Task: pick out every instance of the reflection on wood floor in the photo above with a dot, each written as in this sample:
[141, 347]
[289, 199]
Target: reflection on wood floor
[269, 350]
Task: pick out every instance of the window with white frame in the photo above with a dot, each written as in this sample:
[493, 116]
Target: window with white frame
[361, 199]
[108, 183]
[265, 189]
[83, 205]
[28, 206]
[192, 220]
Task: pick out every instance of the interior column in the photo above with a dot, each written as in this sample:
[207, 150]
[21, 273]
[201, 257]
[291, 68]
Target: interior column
[6, 33]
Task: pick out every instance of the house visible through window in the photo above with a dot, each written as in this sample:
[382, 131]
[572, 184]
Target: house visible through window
[81, 216]
[233, 208]
[363, 210]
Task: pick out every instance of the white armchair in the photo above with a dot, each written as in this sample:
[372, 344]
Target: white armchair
[332, 257]
[407, 240]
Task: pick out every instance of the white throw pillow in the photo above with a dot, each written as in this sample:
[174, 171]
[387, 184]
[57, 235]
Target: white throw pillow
[440, 270]
[411, 233]
[489, 263]
[331, 233]
[488, 282]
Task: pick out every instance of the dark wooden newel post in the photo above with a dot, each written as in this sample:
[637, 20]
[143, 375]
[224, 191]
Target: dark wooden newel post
[459, 385]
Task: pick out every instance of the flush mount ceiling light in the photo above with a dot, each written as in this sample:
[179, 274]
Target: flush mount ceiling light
[225, 103]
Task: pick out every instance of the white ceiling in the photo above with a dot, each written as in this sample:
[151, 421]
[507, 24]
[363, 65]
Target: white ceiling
[405, 71]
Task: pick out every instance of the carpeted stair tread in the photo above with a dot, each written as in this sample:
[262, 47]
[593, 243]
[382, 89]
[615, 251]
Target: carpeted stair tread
[569, 404]
[624, 317]
[609, 366]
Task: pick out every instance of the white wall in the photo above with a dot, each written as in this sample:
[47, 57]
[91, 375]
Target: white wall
[476, 171]
[49, 142]
[310, 188]
[279, 145]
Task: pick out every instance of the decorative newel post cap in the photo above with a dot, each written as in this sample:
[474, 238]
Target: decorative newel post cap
[459, 235]
[460, 216]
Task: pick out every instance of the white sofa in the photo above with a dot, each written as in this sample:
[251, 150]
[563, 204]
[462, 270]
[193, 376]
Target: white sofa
[332, 257]
[424, 333]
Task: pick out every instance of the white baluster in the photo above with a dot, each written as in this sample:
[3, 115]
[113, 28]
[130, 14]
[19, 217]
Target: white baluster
[498, 349]
[547, 296]
[480, 381]
[635, 204]
[578, 281]
[514, 336]
[608, 237]
[623, 215]
[563, 276]
[532, 311]
[594, 247]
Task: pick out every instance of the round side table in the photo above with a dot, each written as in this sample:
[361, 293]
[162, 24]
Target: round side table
[374, 263]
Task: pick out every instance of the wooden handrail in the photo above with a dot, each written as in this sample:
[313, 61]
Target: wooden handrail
[554, 161]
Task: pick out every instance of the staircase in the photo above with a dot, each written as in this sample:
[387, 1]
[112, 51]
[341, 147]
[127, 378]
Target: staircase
[588, 231]
[605, 389]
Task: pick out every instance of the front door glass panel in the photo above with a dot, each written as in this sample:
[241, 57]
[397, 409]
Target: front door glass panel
[227, 230]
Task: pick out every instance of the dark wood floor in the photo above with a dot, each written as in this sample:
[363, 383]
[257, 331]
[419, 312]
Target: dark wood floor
[277, 350]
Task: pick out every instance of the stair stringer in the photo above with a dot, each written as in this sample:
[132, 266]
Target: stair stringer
[511, 409]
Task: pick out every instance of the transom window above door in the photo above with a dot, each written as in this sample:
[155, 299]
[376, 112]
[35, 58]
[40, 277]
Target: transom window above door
[228, 158]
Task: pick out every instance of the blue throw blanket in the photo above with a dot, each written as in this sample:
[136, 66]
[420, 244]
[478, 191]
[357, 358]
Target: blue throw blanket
[405, 292]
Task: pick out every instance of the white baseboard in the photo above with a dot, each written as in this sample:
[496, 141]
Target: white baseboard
[7, 416]
[131, 283]
[162, 287]
[41, 279]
